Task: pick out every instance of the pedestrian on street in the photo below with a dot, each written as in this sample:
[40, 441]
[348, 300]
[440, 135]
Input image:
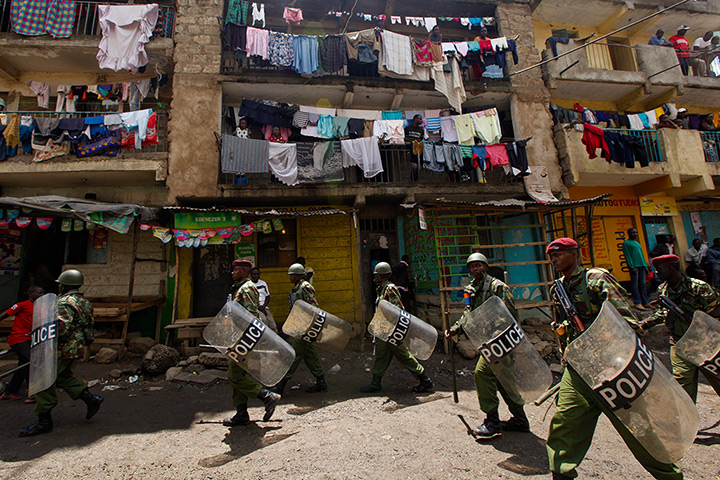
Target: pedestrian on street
[712, 256]
[264, 299]
[384, 352]
[242, 384]
[638, 269]
[482, 287]
[695, 258]
[402, 279]
[75, 332]
[691, 295]
[302, 290]
[19, 341]
[578, 406]
[664, 247]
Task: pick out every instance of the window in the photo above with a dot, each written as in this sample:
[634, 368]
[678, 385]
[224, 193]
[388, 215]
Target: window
[278, 249]
[86, 247]
[377, 224]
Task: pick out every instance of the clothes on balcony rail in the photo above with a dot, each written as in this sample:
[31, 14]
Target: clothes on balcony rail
[283, 162]
[38, 17]
[281, 51]
[487, 125]
[594, 138]
[305, 54]
[237, 12]
[42, 90]
[236, 36]
[518, 158]
[397, 53]
[256, 43]
[364, 153]
[291, 14]
[365, 37]
[258, 13]
[125, 31]
[319, 162]
[244, 155]
[137, 121]
[333, 53]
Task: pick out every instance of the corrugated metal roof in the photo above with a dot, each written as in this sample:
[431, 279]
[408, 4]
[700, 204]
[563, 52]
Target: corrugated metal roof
[278, 212]
[517, 204]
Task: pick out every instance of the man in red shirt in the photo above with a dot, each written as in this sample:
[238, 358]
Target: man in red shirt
[682, 49]
[19, 340]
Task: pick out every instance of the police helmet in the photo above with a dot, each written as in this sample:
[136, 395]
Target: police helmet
[382, 268]
[71, 278]
[477, 257]
[296, 269]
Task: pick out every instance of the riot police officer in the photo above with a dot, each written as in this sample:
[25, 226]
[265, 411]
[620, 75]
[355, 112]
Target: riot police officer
[578, 406]
[482, 287]
[691, 295]
[75, 332]
[385, 352]
[302, 290]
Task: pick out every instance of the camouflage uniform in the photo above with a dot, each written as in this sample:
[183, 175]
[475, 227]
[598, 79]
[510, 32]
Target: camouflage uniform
[578, 406]
[690, 295]
[384, 352]
[75, 331]
[486, 382]
[304, 350]
[243, 385]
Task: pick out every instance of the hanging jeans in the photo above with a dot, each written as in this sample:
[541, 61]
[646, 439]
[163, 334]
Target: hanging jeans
[638, 289]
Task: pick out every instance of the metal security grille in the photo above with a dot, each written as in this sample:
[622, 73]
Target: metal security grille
[378, 224]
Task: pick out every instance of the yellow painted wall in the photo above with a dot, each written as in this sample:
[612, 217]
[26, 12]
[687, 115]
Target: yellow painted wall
[185, 287]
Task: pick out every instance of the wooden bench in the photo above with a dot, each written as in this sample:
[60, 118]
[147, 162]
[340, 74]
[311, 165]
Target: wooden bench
[189, 332]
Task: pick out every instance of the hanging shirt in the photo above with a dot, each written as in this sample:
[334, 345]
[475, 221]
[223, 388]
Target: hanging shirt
[487, 125]
[465, 129]
[125, 31]
[258, 13]
[291, 14]
[497, 154]
[137, 120]
[305, 53]
[256, 42]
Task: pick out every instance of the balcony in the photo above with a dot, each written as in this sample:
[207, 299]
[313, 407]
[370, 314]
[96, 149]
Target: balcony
[21, 53]
[711, 146]
[129, 167]
[676, 163]
[399, 178]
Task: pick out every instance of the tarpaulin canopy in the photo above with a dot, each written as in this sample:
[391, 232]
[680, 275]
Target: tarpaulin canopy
[115, 216]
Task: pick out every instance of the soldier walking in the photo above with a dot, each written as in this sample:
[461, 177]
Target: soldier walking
[75, 332]
[482, 287]
[302, 290]
[384, 352]
[578, 406]
[691, 295]
[242, 384]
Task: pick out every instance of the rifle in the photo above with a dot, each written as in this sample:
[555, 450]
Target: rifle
[673, 308]
[548, 393]
[562, 298]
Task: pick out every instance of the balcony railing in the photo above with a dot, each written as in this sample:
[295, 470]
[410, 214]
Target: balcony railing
[235, 62]
[611, 56]
[159, 147]
[397, 169]
[87, 16]
[711, 146]
[650, 139]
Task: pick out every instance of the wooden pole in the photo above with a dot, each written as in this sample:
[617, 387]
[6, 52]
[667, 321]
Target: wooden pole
[363, 298]
[131, 286]
[175, 291]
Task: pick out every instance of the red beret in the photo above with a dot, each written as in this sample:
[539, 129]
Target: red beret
[561, 244]
[242, 263]
[665, 259]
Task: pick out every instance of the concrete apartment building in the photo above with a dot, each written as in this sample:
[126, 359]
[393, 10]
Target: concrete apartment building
[343, 227]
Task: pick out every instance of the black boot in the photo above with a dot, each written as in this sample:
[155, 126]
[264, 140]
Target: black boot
[320, 385]
[270, 400]
[93, 403]
[490, 428]
[517, 423]
[374, 386]
[44, 424]
[424, 385]
[560, 476]
[241, 418]
[279, 388]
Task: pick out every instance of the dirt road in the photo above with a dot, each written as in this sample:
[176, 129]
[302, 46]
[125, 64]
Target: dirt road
[174, 432]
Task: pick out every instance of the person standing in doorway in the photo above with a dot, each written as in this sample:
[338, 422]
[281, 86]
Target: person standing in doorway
[19, 341]
[695, 258]
[638, 269]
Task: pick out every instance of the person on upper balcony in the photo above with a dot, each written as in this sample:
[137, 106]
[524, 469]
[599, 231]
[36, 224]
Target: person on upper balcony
[665, 122]
[681, 119]
[682, 49]
[659, 39]
[707, 123]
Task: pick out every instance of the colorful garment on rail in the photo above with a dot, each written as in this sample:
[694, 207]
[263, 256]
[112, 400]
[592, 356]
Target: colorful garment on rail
[38, 17]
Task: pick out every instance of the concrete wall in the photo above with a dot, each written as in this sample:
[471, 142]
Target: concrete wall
[197, 100]
[112, 279]
[529, 100]
[684, 153]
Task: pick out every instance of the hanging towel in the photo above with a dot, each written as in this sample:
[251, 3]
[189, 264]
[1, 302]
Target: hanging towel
[364, 114]
[125, 31]
[397, 53]
[364, 153]
[392, 115]
[635, 122]
[244, 155]
[450, 84]
[283, 162]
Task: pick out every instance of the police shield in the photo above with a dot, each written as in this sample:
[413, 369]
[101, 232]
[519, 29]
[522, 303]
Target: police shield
[397, 327]
[44, 344]
[247, 341]
[511, 356]
[626, 377]
[317, 326]
[701, 343]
